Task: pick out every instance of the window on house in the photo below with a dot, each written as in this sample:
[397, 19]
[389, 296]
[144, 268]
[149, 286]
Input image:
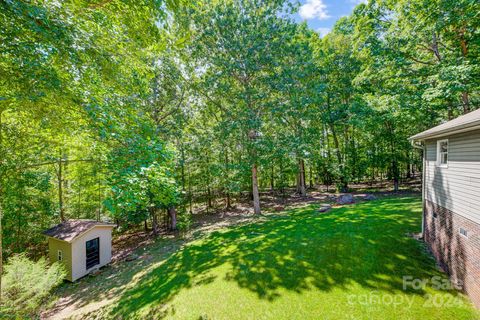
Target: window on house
[442, 152]
[435, 215]
[60, 255]
[463, 232]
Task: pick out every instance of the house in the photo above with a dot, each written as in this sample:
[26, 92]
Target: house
[451, 198]
[81, 245]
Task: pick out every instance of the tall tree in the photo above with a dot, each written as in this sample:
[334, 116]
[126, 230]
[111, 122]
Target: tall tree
[240, 45]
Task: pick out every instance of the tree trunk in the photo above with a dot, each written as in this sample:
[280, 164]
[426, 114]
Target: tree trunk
[434, 47]
[66, 186]
[450, 110]
[465, 102]
[190, 195]
[353, 145]
[395, 169]
[228, 203]
[297, 182]
[301, 178]
[395, 173]
[182, 172]
[408, 171]
[165, 219]
[465, 98]
[272, 179]
[182, 167]
[173, 218]
[343, 180]
[209, 197]
[153, 213]
[310, 170]
[60, 190]
[256, 196]
[282, 182]
[206, 205]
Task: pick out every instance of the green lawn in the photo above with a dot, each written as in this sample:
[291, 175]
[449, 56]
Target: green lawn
[346, 264]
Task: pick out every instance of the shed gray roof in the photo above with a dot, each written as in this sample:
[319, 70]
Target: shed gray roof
[70, 229]
[467, 122]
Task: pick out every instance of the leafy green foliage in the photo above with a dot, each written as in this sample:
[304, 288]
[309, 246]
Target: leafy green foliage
[150, 187]
[124, 109]
[74, 78]
[28, 284]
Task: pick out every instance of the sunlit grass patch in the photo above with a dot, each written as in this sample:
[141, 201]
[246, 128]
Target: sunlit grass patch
[349, 263]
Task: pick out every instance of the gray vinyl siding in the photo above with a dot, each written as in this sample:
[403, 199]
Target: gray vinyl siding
[456, 187]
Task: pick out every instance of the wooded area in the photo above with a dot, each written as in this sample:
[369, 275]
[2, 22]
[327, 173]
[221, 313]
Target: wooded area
[128, 110]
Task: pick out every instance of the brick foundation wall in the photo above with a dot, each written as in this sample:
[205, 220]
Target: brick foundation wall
[457, 254]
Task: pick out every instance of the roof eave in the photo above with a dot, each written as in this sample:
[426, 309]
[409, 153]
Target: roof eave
[450, 131]
[111, 225]
[46, 235]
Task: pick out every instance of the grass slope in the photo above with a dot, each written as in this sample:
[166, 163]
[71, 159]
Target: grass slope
[346, 264]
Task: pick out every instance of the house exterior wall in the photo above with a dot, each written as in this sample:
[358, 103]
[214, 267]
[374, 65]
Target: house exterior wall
[79, 268]
[459, 256]
[54, 245]
[456, 187]
[452, 201]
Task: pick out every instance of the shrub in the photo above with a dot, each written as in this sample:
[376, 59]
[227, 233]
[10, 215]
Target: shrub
[27, 284]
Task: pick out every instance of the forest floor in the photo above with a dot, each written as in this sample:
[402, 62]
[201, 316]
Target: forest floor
[292, 263]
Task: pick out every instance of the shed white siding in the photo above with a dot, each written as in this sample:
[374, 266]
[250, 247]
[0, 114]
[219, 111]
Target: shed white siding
[79, 267]
[457, 186]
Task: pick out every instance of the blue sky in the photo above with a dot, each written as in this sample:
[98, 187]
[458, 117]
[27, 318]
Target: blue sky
[322, 14]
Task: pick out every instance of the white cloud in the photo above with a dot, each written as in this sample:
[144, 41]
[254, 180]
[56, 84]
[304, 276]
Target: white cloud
[355, 2]
[314, 9]
[322, 32]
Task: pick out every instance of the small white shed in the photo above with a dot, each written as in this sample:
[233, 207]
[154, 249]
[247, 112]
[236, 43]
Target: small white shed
[81, 245]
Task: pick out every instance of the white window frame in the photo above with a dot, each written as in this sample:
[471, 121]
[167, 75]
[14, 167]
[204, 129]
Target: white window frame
[439, 158]
[59, 255]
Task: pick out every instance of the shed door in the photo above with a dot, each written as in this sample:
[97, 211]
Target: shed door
[93, 252]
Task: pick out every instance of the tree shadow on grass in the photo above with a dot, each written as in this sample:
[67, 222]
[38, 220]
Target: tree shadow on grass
[365, 244]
